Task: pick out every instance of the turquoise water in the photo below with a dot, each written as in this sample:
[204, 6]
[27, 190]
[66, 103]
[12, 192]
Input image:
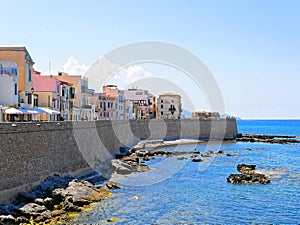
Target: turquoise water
[197, 193]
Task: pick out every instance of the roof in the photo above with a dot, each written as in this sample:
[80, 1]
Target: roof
[135, 95]
[44, 83]
[16, 49]
[170, 95]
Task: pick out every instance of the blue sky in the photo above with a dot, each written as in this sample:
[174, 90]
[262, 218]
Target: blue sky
[251, 47]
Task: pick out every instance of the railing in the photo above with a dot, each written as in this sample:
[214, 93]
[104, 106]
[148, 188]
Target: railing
[9, 71]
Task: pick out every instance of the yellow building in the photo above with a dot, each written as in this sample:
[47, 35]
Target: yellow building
[22, 58]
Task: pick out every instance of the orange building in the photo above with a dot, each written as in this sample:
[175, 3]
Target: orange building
[21, 57]
[205, 115]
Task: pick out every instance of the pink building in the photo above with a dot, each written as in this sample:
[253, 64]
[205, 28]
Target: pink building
[47, 89]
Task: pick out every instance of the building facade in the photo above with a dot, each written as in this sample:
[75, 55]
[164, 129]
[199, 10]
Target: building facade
[47, 90]
[8, 83]
[140, 102]
[205, 115]
[24, 62]
[81, 110]
[169, 106]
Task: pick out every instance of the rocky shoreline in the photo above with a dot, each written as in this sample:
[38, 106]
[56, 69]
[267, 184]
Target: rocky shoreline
[272, 139]
[55, 200]
[59, 199]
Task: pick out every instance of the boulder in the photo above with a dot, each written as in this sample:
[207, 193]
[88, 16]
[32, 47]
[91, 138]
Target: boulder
[206, 154]
[254, 178]
[57, 195]
[121, 167]
[142, 168]
[245, 168]
[197, 160]
[182, 158]
[48, 202]
[22, 219]
[8, 220]
[32, 210]
[81, 193]
[112, 185]
[39, 201]
[247, 176]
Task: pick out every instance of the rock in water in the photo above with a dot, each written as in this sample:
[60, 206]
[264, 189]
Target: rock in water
[196, 160]
[254, 178]
[112, 185]
[244, 168]
[206, 154]
[247, 176]
[142, 168]
[121, 167]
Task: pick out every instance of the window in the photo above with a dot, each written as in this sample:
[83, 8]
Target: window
[112, 105]
[161, 101]
[72, 92]
[29, 74]
[48, 101]
[108, 105]
[161, 106]
[63, 92]
[29, 98]
[162, 113]
[35, 102]
[16, 89]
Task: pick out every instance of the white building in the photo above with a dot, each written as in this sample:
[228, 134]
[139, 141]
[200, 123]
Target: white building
[8, 83]
[169, 106]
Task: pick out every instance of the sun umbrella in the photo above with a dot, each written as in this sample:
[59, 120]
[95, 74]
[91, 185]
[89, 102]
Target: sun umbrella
[13, 111]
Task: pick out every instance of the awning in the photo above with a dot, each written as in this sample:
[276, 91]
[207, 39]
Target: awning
[28, 111]
[13, 111]
[39, 110]
[50, 111]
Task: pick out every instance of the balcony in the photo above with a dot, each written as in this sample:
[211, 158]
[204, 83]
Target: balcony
[8, 68]
[172, 108]
[87, 91]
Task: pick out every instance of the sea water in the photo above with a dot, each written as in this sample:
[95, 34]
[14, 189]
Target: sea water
[185, 192]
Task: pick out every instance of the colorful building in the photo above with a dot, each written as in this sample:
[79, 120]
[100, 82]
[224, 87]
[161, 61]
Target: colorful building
[8, 86]
[81, 110]
[140, 100]
[8, 83]
[48, 91]
[24, 62]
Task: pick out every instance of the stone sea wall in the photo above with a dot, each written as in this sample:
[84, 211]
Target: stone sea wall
[29, 152]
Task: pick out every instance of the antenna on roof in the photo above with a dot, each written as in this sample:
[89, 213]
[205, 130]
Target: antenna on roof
[49, 67]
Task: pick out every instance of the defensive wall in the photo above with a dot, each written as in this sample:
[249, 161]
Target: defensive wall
[29, 152]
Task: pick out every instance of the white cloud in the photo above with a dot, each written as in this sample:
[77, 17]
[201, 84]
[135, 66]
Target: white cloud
[73, 67]
[105, 72]
[127, 76]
